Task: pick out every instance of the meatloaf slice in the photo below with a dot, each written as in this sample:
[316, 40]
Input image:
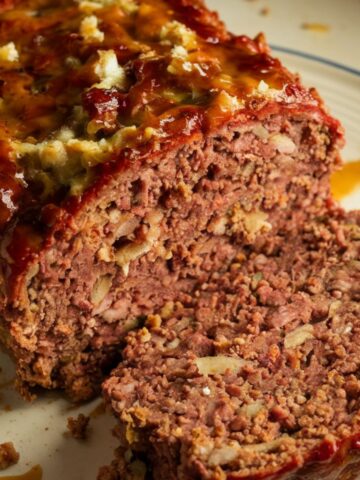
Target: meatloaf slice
[139, 143]
[254, 376]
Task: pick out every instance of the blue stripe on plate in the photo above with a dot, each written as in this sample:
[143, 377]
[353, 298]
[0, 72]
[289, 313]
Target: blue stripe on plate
[323, 60]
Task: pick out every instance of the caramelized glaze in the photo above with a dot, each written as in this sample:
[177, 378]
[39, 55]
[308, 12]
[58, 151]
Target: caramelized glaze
[178, 81]
[69, 122]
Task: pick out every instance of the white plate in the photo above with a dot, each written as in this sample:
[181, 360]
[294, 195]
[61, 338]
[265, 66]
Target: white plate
[283, 25]
[37, 430]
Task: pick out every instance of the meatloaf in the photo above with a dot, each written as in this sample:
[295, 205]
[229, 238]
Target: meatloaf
[257, 375]
[140, 143]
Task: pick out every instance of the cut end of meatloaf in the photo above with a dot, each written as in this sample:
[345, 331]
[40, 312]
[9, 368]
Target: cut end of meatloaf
[152, 233]
[140, 143]
[256, 374]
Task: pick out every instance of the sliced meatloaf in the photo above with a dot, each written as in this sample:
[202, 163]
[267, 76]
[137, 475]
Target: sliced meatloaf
[257, 375]
[140, 142]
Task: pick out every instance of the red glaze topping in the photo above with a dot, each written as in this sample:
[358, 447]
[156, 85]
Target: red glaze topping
[162, 65]
[82, 83]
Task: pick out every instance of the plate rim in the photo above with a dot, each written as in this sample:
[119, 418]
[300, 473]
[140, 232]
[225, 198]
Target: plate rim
[317, 58]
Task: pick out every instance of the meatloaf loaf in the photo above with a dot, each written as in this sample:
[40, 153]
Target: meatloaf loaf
[257, 375]
[140, 142]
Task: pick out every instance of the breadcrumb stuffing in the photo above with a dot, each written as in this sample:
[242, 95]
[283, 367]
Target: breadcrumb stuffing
[8, 53]
[206, 391]
[128, 6]
[88, 6]
[110, 73]
[89, 29]
[153, 321]
[229, 103]
[177, 33]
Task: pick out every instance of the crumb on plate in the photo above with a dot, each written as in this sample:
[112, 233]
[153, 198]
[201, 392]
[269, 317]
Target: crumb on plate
[78, 427]
[8, 455]
[265, 11]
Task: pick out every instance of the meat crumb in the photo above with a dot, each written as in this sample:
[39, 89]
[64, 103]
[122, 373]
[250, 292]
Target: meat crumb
[78, 427]
[8, 455]
[265, 11]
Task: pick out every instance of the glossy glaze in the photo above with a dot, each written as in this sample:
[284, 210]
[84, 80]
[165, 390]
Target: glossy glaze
[56, 72]
[166, 101]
